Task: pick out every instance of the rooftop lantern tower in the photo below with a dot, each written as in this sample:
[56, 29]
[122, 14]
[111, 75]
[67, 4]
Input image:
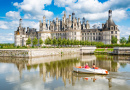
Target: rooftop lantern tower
[20, 22]
[110, 14]
[73, 16]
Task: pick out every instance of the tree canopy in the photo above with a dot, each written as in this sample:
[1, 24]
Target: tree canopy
[35, 41]
[28, 41]
[114, 40]
[123, 40]
[40, 41]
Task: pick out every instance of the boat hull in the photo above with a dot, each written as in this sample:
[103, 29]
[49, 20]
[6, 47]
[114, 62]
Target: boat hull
[90, 70]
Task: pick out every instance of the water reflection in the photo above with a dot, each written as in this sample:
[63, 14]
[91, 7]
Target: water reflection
[56, 71]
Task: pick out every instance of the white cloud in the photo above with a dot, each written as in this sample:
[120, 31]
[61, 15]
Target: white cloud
[6, 37]
[34, 9]
[13, 15]
[95, 10]
[3, 25]
[124, 31]
[63, 3]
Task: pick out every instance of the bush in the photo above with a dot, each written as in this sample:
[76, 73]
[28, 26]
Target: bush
[18, 46]
[112, 45]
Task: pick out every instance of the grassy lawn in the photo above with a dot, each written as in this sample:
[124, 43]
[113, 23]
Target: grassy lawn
[104, 50]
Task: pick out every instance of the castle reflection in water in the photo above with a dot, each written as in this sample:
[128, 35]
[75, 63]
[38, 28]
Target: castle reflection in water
[61, 66]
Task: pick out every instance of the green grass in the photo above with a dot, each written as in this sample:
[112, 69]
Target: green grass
[99, 50]
[104, 50]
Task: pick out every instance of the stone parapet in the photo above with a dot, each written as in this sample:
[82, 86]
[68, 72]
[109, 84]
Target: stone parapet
[87, 50]
[122, 50]
[28, 53]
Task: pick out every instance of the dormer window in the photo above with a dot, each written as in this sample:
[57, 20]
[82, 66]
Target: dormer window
[111, 28]
[115, 27]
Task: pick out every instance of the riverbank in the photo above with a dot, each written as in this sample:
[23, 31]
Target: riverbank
[29, 53]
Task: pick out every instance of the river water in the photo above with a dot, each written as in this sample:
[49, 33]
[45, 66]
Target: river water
[56, 73]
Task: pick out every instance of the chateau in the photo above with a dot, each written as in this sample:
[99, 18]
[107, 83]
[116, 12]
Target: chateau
[68, 28]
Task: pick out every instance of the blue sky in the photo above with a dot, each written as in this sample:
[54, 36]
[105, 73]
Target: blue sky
[31, 11]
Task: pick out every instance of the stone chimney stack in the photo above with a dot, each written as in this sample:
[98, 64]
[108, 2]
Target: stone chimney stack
[57, 24]
[44, 23]
[69, 21]
[79, 24]
[47, 24]
[87, 25]
[40, 25]
[102, 25]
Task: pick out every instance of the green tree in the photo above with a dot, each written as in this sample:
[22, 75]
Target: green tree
[78, 42]
[114, 40]
[129, 39]
[28, 41]
[123, 40]
[63, 41]
[59, 41]
[40, 41]
[72, 42]
[54, 41]
[75, 42]
[48, 41]
[68, 42]
[35, 41]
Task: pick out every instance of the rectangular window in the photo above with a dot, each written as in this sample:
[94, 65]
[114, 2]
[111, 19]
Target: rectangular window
[115, 36]
[115, 32]
[87, 33]
[90, 38]
[99, 38]
[111, 36]
[90, 33]
[87, 38]
[82, 38]
[74, 33]
[93, 38]
[93, 33]
[111, 28]
[111, 32]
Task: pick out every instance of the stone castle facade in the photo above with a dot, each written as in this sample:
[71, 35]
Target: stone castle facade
[69, 28]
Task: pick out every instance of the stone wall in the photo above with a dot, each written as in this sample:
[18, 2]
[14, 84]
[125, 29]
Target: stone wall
[122, 50]
[87, 50]
[37, 52]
